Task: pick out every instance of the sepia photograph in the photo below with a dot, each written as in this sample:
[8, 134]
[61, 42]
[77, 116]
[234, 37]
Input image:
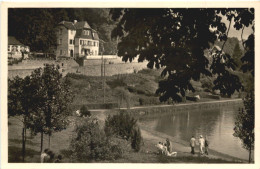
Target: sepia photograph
[150, 85]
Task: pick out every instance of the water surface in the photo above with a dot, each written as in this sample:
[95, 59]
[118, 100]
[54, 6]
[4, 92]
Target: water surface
[216, 124]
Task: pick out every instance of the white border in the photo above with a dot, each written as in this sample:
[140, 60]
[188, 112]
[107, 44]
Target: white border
[106, 4]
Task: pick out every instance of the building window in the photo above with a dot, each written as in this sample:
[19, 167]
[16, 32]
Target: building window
[94, 43]
[85, 32]
[60, 41]
[89, 43]
[9, 48]
[80, 42]
[71, 41]
[60, 52]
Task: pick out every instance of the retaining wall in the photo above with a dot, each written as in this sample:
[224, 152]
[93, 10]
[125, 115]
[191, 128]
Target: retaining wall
[92, 68]
[151, 111]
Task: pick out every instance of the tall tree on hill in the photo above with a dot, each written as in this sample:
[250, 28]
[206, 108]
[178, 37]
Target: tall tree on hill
[176, 39]
[33, 27]
[237, 54]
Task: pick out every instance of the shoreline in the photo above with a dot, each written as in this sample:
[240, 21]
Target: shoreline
[152, 137]
[181, 146]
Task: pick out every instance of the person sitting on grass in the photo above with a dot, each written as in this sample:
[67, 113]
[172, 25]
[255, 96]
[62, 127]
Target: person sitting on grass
[163, 150]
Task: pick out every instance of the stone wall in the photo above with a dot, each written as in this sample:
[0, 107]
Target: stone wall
[92, 67]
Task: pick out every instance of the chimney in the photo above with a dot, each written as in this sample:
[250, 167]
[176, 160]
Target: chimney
[75, 21]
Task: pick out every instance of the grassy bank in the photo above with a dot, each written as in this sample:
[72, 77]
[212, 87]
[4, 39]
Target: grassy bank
[136, 89]
[60, 143]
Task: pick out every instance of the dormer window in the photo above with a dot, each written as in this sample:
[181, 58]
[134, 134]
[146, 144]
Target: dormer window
[86, 32]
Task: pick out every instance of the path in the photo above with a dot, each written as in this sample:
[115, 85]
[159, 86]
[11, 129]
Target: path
[176, 105]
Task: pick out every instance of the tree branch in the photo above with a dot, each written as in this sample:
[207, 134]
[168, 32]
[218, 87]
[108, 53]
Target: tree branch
[242, 37]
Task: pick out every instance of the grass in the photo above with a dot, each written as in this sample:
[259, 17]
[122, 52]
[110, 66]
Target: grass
[60, 142]
[141, 85]
[190, 159]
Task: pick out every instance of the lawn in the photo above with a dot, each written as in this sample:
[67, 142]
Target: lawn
[60, 143]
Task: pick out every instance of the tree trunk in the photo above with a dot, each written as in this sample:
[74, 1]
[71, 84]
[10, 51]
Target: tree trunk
[249, 160]
[49, 145]
[23, 144]
[41, 141]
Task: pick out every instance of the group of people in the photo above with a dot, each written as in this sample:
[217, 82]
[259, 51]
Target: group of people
[47, 156]
[203, 145]
[166, 148]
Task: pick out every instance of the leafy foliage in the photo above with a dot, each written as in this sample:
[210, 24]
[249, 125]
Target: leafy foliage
[30, 26]
[90, 143]
[84, 111]
[126, 127]
[245, 124]
[175, 39]
[248, 59]
[237, 54]
[52, 98]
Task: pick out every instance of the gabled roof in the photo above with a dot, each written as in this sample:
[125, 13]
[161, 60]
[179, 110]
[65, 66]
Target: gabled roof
[13, 41]
[68, 25]
[82, 24]
[80, 34]
[79, 27]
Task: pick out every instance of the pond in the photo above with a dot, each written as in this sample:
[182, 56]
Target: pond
[217, 124]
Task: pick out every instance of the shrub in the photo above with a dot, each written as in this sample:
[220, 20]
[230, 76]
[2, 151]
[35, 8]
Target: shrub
[90, 143]
[84, 111]
[141, 100]
[118, 82]
[207, 84]
[136, 139]
[126, 127]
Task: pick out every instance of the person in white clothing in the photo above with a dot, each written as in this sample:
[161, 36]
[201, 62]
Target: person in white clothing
[44, 155]
[163, 150]
[201, 144]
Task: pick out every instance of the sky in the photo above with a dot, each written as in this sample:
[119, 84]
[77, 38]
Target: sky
[237, 33]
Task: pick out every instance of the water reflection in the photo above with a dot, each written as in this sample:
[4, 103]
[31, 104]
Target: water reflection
[216, 124]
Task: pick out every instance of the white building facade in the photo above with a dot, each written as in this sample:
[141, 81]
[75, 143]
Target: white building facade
[76, 39]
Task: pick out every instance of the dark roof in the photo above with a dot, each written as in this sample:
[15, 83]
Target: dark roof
[82, 24]
[79, 27]
[13, 41]
[68, 25]
[80, 34]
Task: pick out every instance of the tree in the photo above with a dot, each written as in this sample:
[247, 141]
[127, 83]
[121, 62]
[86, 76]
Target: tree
[237, 54]
[175, 39]
[245, 123]
[54, 97]
[22, 102]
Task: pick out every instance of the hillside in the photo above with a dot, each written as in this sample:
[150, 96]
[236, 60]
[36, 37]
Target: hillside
[124, 90]
[230, 45]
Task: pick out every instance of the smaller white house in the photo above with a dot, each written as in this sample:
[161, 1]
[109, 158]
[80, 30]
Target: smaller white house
[16, 48]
